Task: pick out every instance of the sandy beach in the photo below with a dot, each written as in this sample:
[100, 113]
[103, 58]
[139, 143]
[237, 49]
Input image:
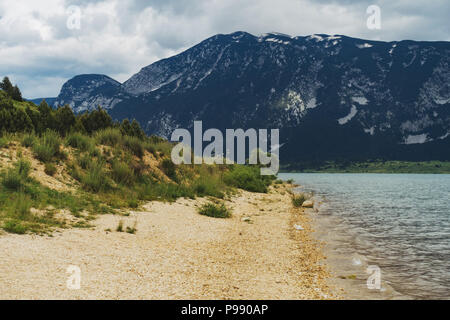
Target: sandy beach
[175, 254]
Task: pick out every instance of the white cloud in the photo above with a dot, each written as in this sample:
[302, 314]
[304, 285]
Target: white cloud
[118, 38]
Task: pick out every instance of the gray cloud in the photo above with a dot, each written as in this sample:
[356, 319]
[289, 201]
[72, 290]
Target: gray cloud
[117, 38]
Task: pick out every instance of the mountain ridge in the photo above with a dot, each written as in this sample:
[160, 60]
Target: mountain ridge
[375, 96]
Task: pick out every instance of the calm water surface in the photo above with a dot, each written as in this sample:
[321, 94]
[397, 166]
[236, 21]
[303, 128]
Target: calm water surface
[401, 222]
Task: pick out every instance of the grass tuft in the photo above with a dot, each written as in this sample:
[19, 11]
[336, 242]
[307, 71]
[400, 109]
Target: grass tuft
[215, 210]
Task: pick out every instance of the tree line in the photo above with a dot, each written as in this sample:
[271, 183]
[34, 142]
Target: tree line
[17, 115]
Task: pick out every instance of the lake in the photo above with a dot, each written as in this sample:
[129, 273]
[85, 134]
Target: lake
[400, 222]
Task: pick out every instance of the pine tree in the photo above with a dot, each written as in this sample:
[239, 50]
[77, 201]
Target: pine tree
[65, 119]
[136, 130]
[16, 94]
[125, 127]
[7, 86]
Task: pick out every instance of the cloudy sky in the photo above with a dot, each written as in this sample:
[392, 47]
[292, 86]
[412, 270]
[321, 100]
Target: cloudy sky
[44, 43]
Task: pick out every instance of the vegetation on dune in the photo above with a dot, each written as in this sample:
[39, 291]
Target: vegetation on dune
[215, 210]
[106, 165]
[248, 178]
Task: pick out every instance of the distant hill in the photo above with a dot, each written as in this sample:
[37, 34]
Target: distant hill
[50, 101]
[332, 97]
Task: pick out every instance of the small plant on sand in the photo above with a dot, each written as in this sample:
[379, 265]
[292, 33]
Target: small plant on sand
[3, 142]
[48, 146]
[109, 137]
[214, 210]
[96, 179]
[50, 169]
[120, 226]
[135, 145]
[28, 140]
[132, 230]
[122, 173]
[248, 178]
[14, 226]
[79, 141]
[298, 199]
[168, 167]
[15, 177]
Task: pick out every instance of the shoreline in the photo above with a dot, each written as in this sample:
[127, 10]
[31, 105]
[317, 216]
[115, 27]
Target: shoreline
[176, 253]
[348, 269]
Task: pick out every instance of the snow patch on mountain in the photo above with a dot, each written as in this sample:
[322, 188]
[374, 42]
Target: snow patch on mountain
[416, 139]
[347, 118]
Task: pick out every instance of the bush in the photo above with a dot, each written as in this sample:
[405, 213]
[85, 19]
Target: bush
[28, 140]
[208, 186]
[48, 146]
[298, 199]
[22, 206]
[14, 226]
[50, 169]
[120, 226]
[134, 145]
[215, 210]
[247, 178]
[165, 191]
[3, 142]
[79, 141]
[23, 168]
[168, 167]
[122, 173]
[151, 148]
[95, 179]
[12, 180]
[85, 161]
[16, 176]
[109, 137]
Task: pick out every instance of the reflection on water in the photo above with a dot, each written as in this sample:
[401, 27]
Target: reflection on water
[401, 222]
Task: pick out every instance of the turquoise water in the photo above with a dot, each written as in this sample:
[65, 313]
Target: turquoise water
[401, 222]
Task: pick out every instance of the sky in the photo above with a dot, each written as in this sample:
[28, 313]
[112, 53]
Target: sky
[45, 43]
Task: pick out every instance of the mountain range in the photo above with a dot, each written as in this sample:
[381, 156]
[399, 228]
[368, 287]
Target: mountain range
[333, 97]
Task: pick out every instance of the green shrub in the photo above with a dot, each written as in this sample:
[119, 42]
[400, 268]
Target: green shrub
[135, 145]
[22, 206]
[50, 169]
[3, 142]
[85, 161]
[133, 203]
[122, 173]
[247, 178]
[131, 230]
[79, 141]
[14, 226]
[15, 177]
[23, 167]
[150, 148]
[298, 199]
[208, 186]
[120, 226]
[96, 179]
[165, 191]
[28, 140]
[214, 210]
[109, 136]
[12, 180]
[48, 146]
[168, 167]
